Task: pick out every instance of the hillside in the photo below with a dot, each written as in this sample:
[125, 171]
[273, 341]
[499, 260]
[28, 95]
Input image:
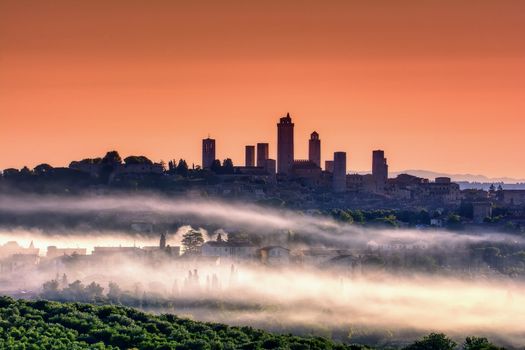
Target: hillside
[52, 325]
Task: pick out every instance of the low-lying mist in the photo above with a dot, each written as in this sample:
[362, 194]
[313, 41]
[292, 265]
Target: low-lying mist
[283, 297]
[293, 297]
[231, 216]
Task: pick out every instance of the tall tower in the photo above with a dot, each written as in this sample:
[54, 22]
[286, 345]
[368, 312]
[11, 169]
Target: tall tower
[314, 149]
[329, 166]
[162, 243]
[262, 154]
[339, 174]
[379, 169]
[208, 152]
[249, 156]
[285, 145]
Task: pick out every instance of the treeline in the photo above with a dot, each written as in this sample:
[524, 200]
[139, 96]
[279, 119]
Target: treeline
[383, 217]
[52, 325]
[186, 297]
[103, 172]
[396, 217]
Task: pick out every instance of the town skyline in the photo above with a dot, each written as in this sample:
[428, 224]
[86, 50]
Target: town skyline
[438, 91]
[297, 174]
[271, 151]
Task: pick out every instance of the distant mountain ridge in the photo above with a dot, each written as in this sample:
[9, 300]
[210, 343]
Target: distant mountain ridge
[458, 177]
[428, 174]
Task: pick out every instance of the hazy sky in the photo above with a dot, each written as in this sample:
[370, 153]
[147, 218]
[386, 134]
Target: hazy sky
[439, 85]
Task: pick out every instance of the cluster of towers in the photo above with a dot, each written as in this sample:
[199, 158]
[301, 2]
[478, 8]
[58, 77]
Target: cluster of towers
[259, 156]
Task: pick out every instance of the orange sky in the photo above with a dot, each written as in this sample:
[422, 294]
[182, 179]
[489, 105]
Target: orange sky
[440, 85]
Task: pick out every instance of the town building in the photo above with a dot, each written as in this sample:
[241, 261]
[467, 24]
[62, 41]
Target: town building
[275, 255]
[442, 190]
[103, 252]
[512, 197]
[481, 211]
[136, 169]
[90, 166]
[306, 169]
[230, 250]
[329, 166]
[13, 248]
[339, 173]
[379, 170]
[263, 153]
[54, 252]
[208, 153]
[314, 149]
[285, 145]
[361, 183]
[270, 166]
[249, 159]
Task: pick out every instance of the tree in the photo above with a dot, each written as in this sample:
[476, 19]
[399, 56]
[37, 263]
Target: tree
[192, 242]
[94, 291]
[433, 341]
[358, 216]
[10, 173]
[42, 169]
[112, 157]
[227, 166]
[25, 171]
[171, 166]
[475, 343]
[50, 289]
[238, 236]
[182, 168]
[90, 161]
[109, 163]
[114, 292]
[63, 281]
[423, 217]
[216, 166]
[137, 160]
[341, 215]
[42, 324]
[454, 219]
[74, 291]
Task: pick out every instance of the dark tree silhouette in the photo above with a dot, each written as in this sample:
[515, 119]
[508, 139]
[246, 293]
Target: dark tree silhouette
[182, 168]
[227, 166]
[216, 166]
[192, 242]
[112, 157]
[137, 160]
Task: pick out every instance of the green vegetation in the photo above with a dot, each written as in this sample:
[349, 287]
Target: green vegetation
[137, 160]
[52, 325]
[382, 218]
[192, 242]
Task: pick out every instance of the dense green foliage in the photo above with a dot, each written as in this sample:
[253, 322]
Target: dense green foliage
[52, 325]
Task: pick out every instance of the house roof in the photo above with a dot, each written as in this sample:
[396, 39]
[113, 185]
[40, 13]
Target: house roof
[274, 247]
[227, 244]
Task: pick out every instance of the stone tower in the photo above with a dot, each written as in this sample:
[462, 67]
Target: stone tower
[285, 145]
[314, 149]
